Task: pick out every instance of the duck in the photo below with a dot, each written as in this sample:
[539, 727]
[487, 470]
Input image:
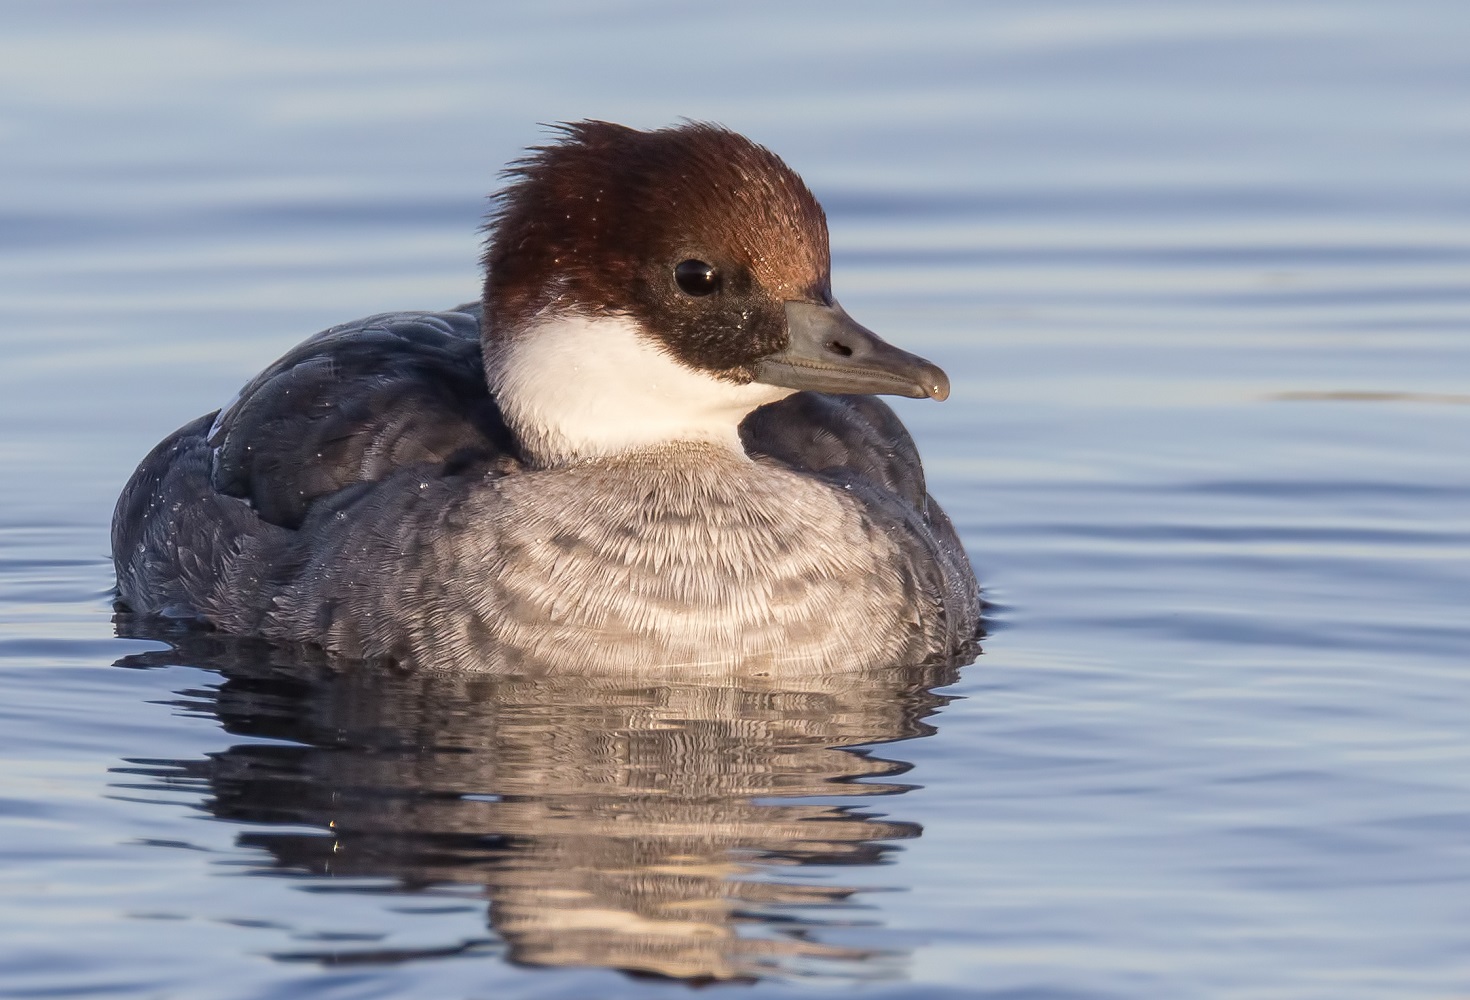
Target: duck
[653, 444]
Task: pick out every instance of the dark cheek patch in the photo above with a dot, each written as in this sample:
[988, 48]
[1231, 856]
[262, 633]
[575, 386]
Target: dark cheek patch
[730, 335]
[722, 333]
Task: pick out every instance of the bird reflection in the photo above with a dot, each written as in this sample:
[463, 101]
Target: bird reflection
[655, 828]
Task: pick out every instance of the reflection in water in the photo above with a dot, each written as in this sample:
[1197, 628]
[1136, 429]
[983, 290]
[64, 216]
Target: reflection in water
[1365, 396]
[649, 828]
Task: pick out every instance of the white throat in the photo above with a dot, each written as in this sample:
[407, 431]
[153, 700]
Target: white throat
[576, 387]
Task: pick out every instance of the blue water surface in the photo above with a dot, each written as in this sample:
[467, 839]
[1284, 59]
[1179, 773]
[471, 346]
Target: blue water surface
[1201, 276]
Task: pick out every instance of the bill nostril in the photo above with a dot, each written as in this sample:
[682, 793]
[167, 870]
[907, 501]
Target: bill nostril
[838, 347]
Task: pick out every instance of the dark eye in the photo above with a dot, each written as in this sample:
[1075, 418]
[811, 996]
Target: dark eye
[696, 277]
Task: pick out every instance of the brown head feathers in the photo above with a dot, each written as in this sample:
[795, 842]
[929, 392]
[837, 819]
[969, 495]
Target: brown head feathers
[599, 221]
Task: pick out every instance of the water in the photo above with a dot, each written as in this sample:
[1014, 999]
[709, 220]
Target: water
[1199, 274]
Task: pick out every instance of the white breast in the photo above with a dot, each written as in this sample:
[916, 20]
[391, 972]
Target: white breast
[691, 558]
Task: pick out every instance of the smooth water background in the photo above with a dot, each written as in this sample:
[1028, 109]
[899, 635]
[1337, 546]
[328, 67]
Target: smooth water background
[1201, 276]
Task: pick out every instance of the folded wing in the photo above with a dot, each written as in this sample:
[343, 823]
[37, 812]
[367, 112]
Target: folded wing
[355, 404]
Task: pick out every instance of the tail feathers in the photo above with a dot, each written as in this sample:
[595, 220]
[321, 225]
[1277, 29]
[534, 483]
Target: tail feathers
[176, 541]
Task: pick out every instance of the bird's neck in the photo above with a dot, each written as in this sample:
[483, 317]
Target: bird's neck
[576, 388]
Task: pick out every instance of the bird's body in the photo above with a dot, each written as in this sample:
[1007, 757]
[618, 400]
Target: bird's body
[555, 487]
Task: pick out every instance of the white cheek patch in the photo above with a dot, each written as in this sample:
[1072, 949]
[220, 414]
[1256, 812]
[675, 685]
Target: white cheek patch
[581, 387]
